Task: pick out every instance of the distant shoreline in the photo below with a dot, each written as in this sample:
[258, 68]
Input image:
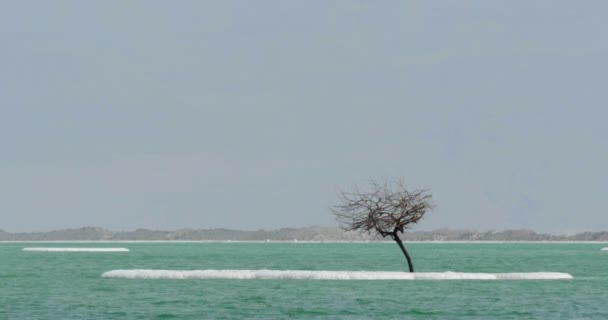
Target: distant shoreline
[303, 242]
[289, 235]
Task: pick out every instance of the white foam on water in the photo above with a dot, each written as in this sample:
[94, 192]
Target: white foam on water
[77, 249]
[605, 249]
[327, 275]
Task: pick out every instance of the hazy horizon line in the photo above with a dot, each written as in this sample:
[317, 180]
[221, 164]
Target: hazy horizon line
[305, 227]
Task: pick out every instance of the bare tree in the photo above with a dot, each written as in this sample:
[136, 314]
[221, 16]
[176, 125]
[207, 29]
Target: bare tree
[388, 208]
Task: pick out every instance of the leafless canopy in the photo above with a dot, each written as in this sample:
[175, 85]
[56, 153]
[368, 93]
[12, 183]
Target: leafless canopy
[387, 208]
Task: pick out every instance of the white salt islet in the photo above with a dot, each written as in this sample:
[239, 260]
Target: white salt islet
[60, 249]
[327, 275]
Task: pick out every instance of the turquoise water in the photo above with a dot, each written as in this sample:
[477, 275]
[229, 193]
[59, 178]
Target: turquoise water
[68, 285]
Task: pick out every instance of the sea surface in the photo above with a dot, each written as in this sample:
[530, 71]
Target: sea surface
[69, 285]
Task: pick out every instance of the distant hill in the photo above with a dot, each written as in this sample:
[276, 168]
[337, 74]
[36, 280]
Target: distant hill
[290, 234]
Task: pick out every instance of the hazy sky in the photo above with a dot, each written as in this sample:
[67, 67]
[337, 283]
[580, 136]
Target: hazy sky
[251, 114]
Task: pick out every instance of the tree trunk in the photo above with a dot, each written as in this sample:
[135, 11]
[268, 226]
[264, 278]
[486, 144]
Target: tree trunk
[395, 237]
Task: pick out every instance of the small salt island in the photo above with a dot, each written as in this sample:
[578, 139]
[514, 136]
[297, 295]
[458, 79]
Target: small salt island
[60, 249]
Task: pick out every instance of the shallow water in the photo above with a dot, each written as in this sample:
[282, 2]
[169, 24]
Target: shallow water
[68, 285]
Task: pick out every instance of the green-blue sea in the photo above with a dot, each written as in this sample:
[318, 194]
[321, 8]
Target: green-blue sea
[68, 285]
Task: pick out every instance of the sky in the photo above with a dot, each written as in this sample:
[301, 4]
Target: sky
[254, 114]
